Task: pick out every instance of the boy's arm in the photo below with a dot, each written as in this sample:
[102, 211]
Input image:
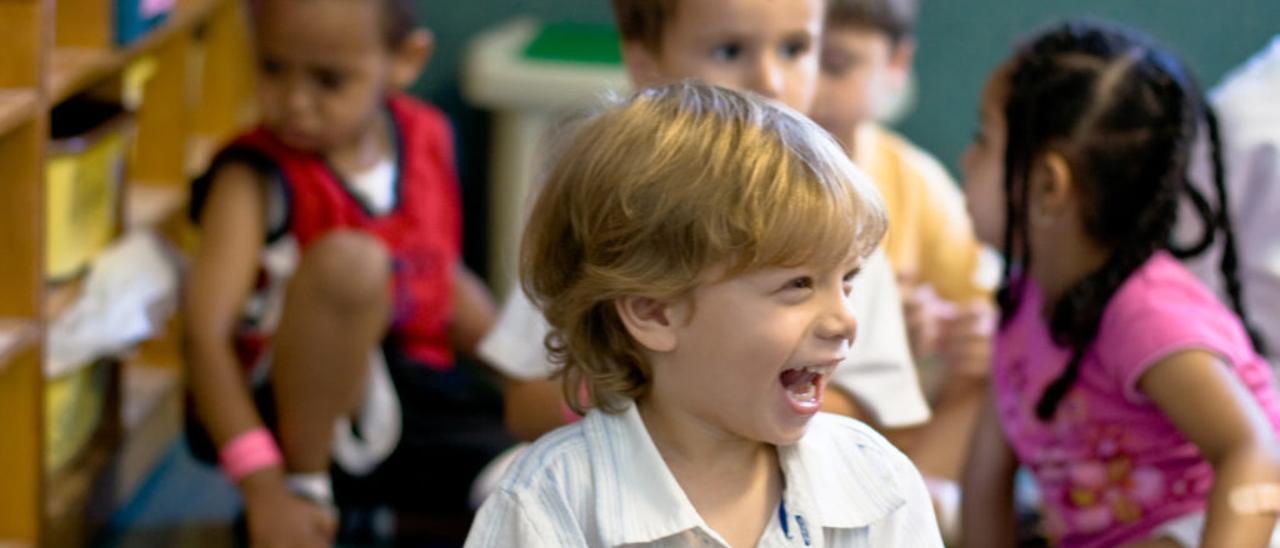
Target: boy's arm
[1210, 405]
[533, 397]
[986, 510]
[939, 447]
[534, 407]
[221, 277]
[474, 312]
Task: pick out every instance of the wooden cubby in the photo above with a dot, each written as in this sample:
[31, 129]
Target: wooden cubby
[198, 94]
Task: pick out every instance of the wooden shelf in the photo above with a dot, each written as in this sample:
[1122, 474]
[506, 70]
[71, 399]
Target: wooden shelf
[73, 70]
[59, 297]
[68, 493]
[72, 498]
[17, 105]
[147, 205]
[15, 336]
[151, 204]
[121, 455]
[202, 149]
[151, 417]
[189, 83]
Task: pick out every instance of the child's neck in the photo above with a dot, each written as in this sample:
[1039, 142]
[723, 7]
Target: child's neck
[365, 152]
[850, 140]
[1064, 265]
[734, 483]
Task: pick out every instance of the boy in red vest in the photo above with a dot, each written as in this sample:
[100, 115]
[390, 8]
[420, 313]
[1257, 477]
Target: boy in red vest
[328, 297]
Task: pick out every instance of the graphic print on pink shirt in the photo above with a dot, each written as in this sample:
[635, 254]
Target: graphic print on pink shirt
[1111, 467]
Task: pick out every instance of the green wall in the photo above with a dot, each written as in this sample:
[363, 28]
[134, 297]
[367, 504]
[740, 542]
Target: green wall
[455, 23]
[960, 41]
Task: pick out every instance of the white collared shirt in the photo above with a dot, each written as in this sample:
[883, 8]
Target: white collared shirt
[879, 372]
[602, 483]
[1249, 116]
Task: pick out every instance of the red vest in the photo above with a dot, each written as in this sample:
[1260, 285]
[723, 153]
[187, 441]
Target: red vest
[422, 231]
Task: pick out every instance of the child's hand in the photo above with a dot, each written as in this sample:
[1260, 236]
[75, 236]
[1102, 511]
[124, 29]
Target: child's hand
[280, 519]
[918, 302]
[966, 338]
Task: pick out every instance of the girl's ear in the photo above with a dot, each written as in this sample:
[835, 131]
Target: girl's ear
[1053, 188]
[651, 322]
[410, 57]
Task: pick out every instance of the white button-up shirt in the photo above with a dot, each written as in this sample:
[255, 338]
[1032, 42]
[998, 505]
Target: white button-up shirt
[1248, 105]
[602, 483]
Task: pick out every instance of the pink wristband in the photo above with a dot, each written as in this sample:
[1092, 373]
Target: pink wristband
[248, 453]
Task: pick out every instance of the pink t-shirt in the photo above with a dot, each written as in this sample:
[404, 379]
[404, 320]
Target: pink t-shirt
[1110, 466]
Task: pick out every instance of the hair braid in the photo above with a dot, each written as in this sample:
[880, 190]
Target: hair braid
[1230, 265]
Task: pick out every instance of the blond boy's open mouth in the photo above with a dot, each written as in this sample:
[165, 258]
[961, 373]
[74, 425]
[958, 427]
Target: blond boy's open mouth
[804, 385]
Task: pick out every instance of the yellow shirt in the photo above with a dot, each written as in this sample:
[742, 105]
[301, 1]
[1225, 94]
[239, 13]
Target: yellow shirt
[930, 235]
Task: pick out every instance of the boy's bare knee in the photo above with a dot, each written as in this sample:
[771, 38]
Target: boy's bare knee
[347, 269]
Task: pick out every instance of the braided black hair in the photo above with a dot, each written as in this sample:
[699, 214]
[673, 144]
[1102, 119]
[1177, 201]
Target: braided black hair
[1124, 113]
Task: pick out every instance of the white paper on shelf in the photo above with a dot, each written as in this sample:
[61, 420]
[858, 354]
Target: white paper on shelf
[130, 292]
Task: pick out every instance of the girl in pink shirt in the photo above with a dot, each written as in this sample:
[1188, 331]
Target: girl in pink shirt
[1135, 398]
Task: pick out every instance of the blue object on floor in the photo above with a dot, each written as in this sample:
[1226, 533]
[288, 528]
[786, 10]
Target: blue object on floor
[181, 493]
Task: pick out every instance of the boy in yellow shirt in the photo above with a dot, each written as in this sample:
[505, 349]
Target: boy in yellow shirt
[868, 47]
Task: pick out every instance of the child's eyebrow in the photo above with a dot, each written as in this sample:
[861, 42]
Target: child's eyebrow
[803, 34]
[334, 67]
[715, 35]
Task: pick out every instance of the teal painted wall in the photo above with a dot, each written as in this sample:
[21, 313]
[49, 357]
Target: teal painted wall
[454, 23]
[960, 42]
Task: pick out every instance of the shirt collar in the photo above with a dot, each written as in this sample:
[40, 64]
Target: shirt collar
[840, 477]
[637, 498]
[834, 479]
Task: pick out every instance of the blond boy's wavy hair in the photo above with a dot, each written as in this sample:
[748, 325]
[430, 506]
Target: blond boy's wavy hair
[649, 194]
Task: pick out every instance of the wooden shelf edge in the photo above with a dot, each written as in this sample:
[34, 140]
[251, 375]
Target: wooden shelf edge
[148, 205]
[69, 492]
[16, 335]
[201, 150]
[75, 69]
[60, 296]
[17, 105]
[151, 419]
[145, 388]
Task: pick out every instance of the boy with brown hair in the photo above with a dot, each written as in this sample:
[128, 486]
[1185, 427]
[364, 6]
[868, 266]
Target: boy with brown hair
[770, 48]
[663, 251]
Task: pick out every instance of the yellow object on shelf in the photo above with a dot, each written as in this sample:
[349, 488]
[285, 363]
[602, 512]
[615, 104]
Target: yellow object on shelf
[84, 176]
[74, 405]
[136, 76]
